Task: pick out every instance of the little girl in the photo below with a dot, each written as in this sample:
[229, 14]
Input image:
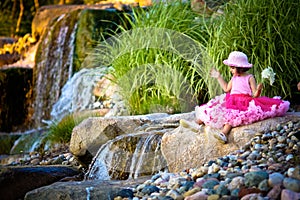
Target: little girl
[241, 104]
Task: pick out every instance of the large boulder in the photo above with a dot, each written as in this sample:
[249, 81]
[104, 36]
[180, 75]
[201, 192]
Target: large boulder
[15, 182]
[93, 132]
[196, 148]
[83, 190]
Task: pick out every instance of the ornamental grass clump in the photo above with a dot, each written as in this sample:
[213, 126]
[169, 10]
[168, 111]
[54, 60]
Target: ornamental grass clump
[156, 63]
[61, 131]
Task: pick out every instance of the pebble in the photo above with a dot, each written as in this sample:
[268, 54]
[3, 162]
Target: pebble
[267, 167]
[55, 157]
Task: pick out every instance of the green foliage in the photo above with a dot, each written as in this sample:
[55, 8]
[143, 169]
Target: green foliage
[268, 32]
[60, 132]
[9, 17]
[170, 39]
[5, 28]
[157, 63]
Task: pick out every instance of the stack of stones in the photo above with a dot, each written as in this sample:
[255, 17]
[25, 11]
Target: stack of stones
[268, 167]
[59, 155]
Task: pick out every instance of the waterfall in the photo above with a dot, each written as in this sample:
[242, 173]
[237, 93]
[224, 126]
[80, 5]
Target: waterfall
[77, 93]
[128, 157]
[53, 68]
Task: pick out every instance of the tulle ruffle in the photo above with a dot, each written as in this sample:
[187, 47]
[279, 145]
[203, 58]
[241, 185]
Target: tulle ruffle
[239, 110]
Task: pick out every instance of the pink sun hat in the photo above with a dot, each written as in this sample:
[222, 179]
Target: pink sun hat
[237, 59]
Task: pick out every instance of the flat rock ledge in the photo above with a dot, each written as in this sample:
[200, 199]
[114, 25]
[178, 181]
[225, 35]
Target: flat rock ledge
[181, 147]
[93, 132]
[82, 190]
[196, 148]
[16, 181]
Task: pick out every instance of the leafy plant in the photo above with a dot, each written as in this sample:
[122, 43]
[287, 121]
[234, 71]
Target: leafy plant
[60, 132]
[169, 36]
[160, 45]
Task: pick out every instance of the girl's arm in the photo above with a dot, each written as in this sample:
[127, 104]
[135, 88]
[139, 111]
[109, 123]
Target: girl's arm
[225, 86]
[256, 89]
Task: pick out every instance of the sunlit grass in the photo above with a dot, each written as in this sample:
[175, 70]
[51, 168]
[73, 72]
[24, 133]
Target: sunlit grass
[170, 36]
[157, 63]
[60, 132]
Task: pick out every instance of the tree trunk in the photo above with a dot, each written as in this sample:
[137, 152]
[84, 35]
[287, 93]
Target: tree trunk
[20, 16]
[13, 11]
[36, 4]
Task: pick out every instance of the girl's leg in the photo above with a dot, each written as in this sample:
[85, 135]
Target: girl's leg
[198, 121]
[226, 129]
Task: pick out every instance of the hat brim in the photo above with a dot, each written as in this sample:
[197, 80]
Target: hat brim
[248, 65]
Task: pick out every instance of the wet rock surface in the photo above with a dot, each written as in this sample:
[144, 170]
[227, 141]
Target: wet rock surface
[16, 181]
[82, 190]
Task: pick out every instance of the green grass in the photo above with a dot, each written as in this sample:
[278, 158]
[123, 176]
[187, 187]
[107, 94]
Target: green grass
[163, 62]
[60, 132]
[156, 62]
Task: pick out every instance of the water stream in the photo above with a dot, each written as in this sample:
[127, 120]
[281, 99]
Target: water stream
[53, 67]
[77, 93]
[128, 156]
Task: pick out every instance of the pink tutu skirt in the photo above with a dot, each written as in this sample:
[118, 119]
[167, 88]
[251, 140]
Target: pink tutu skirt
[239, 109]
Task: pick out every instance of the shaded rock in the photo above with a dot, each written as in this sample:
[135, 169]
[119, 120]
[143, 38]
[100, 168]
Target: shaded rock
[15, 182]
[196, 148]
[254, 178]
[6, 40]
[274, 193]
[15, 90]
[247, 191]
[82, 190]
[288, 194]
[6, 142]
[292, 184]
[6, 59]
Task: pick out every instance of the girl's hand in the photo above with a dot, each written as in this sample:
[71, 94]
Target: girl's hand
[259, 87]
[214, 73]
[258, 90]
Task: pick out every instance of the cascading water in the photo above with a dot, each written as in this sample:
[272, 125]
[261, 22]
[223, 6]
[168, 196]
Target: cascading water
[128, 157]
[53, 66]
[77, 93]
